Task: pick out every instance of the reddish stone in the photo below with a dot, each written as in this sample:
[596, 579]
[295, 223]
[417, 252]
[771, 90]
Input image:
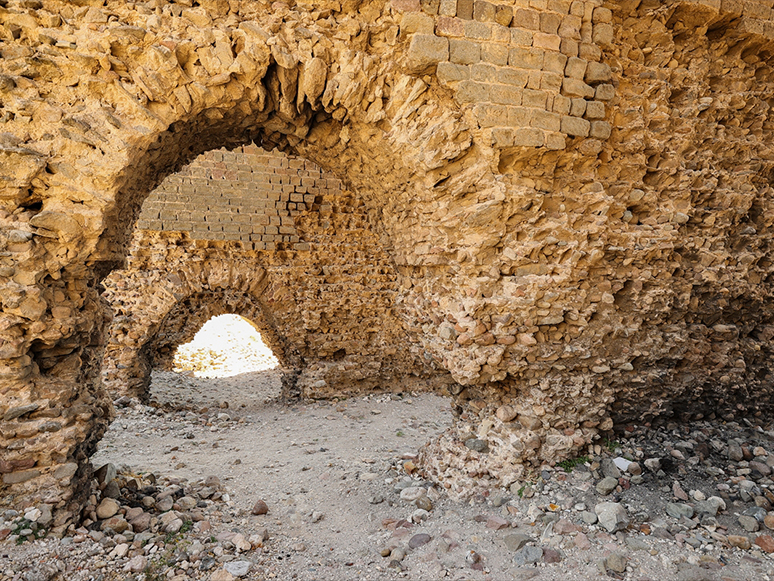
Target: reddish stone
[565, 527]
[766, 543]
[406, 5]
[260, 507]
[4, 533]
[582, 542]
[497, 523]
[418, 540]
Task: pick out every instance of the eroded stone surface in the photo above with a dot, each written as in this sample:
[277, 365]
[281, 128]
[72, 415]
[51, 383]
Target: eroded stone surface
[576, 200]
[277, 241]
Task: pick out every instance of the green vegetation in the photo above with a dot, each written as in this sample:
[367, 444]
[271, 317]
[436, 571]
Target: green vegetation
[38, 532]
[568, 465]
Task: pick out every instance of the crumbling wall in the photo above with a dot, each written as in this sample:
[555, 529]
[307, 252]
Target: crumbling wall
[231, 233]
[562, 278]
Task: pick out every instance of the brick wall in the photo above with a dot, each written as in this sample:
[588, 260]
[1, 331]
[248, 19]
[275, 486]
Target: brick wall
[532, 70]
[529, 69]
[248, 195]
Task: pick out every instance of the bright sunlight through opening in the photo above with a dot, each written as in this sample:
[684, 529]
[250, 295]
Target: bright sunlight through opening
[226, 345]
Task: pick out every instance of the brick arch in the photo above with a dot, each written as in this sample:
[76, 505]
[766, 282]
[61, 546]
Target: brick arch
[187, 318]
[181, 302]
[565, 236]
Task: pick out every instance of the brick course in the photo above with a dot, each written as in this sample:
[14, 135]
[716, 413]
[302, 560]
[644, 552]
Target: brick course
[247, 194]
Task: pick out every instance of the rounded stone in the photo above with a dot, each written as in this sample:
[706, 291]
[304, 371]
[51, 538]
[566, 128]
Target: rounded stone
[419, 540]
[260, 507]
[749, 523]
[107, 508]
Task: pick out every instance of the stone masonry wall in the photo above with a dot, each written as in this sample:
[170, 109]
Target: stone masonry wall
[229, 233]
[531, 70]
[248, 194]
[569, 268]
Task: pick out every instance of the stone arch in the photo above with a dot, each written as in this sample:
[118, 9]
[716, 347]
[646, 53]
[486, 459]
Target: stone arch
[503, 153]
[189, 316]
[147, 327]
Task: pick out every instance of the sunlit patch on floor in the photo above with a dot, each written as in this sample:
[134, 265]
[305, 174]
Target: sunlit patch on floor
[226, 345]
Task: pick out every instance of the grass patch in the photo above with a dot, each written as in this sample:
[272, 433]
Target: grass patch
[568, 465]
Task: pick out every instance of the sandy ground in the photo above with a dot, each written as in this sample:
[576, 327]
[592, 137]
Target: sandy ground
[332, 473]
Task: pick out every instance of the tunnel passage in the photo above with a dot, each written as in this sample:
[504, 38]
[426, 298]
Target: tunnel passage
[275, 239]
[575, 197]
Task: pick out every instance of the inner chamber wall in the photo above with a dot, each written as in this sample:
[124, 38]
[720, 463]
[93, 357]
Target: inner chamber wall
[275, 239]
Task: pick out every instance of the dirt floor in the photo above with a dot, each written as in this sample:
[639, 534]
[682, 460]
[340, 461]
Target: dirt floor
[344, 503]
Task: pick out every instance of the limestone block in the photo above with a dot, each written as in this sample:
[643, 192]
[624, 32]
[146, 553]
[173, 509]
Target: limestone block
[576, 88]
[464, 52]
[575, 126]
[526, 58]
[527, 19]
[600, 129]
[427, 51]
[595, 110]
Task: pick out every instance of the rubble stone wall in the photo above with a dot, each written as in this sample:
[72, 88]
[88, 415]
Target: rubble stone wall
[320, 288]
[564, 280]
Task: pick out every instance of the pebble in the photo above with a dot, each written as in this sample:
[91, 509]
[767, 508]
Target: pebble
[516, 541]
[607, 485]
[237, 568]
[616, 562]
[259, 508]
[107, 508]
[610, 468]
[137, 564]
[222, 575]
[424, 503]
[612, 516]
[748, 523]
[734, 451]
[582, 542]
[678, 510]
[497, 523]
[739, 541]
[477, 445]
[769, 521]
[418, 540]
[678, 491]
[528, 555]
[766, 543]
[413, 493]
[653, 464]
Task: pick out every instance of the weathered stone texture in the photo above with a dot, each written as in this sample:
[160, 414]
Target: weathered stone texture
[322, 296]
[577, 272]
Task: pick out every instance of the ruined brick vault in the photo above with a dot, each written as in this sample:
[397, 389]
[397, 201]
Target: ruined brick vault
[568, 204]
[278, 241]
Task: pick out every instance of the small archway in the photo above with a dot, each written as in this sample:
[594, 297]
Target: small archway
[226, 345]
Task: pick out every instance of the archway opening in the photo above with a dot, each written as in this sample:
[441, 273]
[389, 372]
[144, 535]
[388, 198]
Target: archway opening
[225, 346]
